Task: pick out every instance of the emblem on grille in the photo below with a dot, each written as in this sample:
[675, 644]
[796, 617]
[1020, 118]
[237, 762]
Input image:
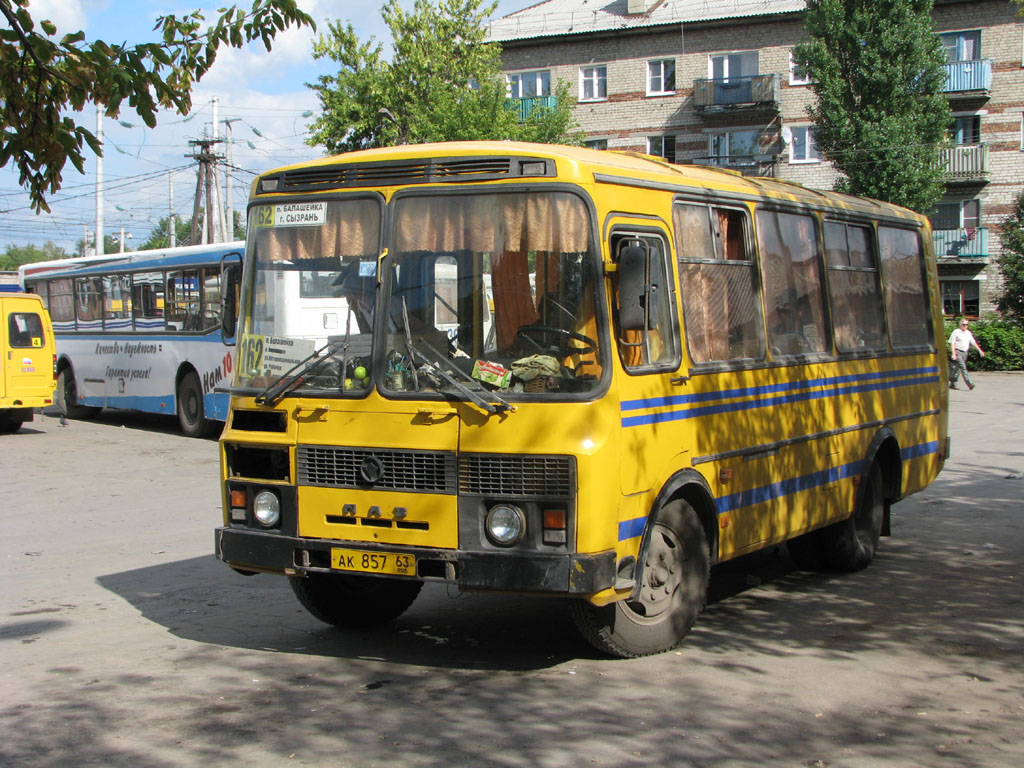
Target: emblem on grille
[371, 469]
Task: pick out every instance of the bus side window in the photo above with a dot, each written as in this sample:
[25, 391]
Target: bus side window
[857, 317]
[646, 331]
[148, 301]
[906, 300]
[719, 284]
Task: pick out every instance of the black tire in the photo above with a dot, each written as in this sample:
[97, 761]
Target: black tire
[189, 404]
[354, 602]
[67, 397]
[851, 544]
[672, 593]
[808, 551]
[7, 424]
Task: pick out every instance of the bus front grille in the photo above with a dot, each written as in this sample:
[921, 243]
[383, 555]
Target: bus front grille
[376, 468]
[494, 475]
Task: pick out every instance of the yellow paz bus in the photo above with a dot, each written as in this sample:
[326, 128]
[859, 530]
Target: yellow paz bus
[544, 369]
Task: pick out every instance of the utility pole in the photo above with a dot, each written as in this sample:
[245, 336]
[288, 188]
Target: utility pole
[99, 182]
[229, 202]
[172, 229]
[206, 158]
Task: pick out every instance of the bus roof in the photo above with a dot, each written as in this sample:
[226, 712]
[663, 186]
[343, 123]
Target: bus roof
[452, 162]
[136, 261]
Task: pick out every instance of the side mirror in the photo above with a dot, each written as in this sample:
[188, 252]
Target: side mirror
[230, 279]
[633, 288]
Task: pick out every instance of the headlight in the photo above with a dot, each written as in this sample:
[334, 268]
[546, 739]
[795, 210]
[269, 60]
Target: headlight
[266, 508]
[505, 525]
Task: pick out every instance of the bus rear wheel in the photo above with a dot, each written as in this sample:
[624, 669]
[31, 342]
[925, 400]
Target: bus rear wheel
[67, 397]
[354, 602]
[191, 413]
[672, 592]
[851, 544]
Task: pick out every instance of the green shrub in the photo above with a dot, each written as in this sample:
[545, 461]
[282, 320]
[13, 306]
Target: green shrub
[1003, 343]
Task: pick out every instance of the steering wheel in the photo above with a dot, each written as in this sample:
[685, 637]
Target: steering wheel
[527, 331]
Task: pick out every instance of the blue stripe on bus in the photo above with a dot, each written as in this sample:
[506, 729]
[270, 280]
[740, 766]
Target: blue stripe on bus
[215, 404]
[629, 529]
[726, 394]
[764, 402]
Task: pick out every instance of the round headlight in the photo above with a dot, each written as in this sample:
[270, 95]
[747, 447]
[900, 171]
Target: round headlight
[266, 508]
[505, 525]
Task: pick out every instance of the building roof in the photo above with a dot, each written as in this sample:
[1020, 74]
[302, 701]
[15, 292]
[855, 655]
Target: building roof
[572, 17]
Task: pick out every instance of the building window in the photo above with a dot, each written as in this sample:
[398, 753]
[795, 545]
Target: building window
[661, 77]
[593, 83]
[733, 147]
[596, 144]
[802, 148]
[962, 46]
[960, 297]
[529, 85]
[662, 146]
[967, 129]
[724, 66]
[956, 214]
[796, 75]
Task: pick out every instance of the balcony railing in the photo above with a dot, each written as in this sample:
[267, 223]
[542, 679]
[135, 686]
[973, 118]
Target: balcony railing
[966, 243]
[965, 162]
[524, 107]
[968, 76]
[737, 92]
[748, 165]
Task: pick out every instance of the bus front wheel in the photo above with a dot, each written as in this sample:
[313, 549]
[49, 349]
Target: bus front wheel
[67, 397]
[672, 592]
[191, 414]
[354, 602]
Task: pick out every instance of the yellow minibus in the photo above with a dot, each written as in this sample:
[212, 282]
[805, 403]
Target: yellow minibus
[29, 359]
[553, 370]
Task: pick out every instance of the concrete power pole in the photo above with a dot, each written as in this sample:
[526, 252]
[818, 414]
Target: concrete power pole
[204, 188]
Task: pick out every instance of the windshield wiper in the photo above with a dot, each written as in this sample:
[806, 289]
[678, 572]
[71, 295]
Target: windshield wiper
[295, 375]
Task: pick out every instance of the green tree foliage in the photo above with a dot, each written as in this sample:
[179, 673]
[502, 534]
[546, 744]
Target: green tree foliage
[16, 255]
[160, 237]
[41, 78]
[1011, 263]
[442, 83]
[876, 68]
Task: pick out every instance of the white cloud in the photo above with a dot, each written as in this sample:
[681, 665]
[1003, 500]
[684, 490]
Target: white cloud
[67, 15]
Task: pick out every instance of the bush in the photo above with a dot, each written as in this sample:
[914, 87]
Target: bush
[1003, 343]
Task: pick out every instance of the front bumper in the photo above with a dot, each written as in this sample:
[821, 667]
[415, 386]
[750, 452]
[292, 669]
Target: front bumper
[574, 574]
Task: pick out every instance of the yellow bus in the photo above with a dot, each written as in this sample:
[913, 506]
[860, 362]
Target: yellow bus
[29, 359]
[543, 369]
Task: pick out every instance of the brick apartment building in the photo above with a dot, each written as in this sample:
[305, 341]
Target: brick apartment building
[712, 81]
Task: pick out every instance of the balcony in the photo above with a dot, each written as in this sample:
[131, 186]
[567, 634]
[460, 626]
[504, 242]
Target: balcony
[968, 78]
[748, 165]
[523, 107]
[965, 163]
[736, 93]
[970, 243]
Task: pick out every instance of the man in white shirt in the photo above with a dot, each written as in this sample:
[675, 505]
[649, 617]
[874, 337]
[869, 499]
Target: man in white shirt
[960, 342]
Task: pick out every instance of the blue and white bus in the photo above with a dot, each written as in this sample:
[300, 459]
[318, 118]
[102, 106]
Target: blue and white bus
[144, 331]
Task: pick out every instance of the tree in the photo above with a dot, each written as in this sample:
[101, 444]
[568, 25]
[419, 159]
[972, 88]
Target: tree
[443, 83]
[159, 236]
[16, 255]
[1011, 263]
[41, 78]
[876, 67]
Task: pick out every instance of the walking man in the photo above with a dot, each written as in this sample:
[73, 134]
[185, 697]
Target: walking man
[960, 342]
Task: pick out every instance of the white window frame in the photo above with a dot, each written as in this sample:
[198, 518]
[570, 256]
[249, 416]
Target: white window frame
[960, 36]
[663, 137]
[794, 78]
[812, 154]
[539, 82]
[725, 56]
[660, 65]
[595, 76]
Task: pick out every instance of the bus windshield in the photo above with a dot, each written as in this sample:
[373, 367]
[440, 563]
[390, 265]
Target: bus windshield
[484, 292]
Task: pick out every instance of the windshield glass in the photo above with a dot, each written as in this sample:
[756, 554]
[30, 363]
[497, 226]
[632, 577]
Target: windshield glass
[498, 291]
[487, 295]
[311, 280]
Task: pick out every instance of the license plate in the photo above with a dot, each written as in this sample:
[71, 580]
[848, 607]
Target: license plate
[373, 562]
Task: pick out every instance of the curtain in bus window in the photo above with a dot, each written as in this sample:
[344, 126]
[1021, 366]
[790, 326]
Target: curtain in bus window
[903, 276]
[62, 304]
[148, 301]
[857, 316]
[352, 229]
[89, 303]
[794, 306]
[720, 305]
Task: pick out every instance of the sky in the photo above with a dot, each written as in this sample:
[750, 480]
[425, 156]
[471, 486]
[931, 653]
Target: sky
[263, 94]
